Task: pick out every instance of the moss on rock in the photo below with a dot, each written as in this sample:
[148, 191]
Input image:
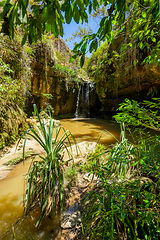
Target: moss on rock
[12, 123]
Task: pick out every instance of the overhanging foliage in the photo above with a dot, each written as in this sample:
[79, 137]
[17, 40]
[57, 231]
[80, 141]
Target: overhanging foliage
[37, 17]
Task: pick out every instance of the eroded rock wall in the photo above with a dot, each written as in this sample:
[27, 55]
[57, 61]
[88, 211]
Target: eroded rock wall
[51, 86]
[118, 78]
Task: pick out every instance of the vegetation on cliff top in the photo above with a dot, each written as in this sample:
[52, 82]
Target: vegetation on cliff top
[131, 29]
[16, 77]
[132, 58]
[17, 64]
[35, 18]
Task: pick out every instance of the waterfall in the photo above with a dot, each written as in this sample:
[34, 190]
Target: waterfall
[77, 104]
[83, 100]
[87, 100]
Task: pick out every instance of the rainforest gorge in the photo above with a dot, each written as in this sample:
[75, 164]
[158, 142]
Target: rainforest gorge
[124, 61]
[42, 79]
[41, 73]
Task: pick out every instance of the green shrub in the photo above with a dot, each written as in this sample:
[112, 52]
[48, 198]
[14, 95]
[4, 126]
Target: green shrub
[47, 111]
[125, 203]
[72, 174]
[12, 139]
[121, 210]
[94, 159]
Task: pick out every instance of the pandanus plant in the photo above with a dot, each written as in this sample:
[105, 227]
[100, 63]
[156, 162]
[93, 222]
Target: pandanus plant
[44, 188]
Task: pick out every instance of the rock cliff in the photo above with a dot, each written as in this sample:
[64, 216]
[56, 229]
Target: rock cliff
[119, 76]
[55, 82]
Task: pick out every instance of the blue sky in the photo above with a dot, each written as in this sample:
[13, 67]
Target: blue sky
[72, 27]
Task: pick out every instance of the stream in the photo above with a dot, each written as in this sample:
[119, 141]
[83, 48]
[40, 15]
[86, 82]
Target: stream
[12, 187]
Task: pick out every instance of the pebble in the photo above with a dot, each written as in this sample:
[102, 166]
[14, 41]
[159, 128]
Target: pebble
[69, 220]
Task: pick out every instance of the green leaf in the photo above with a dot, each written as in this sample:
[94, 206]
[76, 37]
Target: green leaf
[102, 22]
[152, 33]
[90, 7]
[80, 4]
[142, 161]
[144, 14]
[60, 23]
[153, 39]
[5, 10]
[68, 14]
[95, 4]
[83, 49]
[146, 33]
[2, 3]
[30, 38]
[78, 45]
[93, 46]
[82, 60]
[141, 36]
[54, 29]
[146, 27]
[51, 17]
[24, 39]
[72, 58]
[25, 2]
[141, 45]
[48, 27]
[76, 15]
[134, 63]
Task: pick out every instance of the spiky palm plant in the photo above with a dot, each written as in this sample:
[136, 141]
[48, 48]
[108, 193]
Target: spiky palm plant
[122, 158]
[45, 177]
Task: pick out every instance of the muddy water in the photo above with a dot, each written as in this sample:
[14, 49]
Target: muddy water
[92, 129]
[12, 187]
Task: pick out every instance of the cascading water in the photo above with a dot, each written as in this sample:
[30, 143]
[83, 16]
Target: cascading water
[77, 104]
[87, 100]
[83, 100]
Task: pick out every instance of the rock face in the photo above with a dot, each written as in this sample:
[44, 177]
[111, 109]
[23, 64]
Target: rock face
[51, 84]
[12, 123]
[63, 95]
[56, 82]
[147, 86]
[120, 78]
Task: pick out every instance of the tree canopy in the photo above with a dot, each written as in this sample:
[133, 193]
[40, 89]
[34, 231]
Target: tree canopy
[37, 17]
